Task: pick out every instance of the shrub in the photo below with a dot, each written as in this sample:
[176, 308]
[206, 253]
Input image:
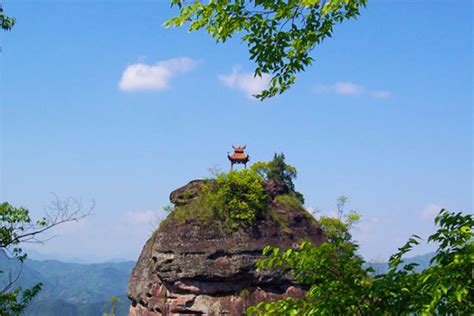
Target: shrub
[340, 285]
[238, 196]
[233, 200]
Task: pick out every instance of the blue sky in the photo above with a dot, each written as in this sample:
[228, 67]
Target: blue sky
[99, 101]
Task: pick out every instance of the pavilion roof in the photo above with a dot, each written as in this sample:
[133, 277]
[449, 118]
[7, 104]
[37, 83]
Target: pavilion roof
[238, 154]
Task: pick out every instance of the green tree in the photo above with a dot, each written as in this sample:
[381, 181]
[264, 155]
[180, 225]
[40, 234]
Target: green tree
[280, 34]
[339, 227]
[278, 170]
[339, 284]
[17, 228]
[448, 283]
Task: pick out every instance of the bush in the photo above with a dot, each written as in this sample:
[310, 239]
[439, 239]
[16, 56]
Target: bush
[232, 200]
[340, 285]
[238, 196]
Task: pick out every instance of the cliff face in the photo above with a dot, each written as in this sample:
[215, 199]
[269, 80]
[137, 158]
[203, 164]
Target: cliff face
[190, 268]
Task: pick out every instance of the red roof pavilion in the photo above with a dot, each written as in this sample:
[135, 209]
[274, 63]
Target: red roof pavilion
[238, 157]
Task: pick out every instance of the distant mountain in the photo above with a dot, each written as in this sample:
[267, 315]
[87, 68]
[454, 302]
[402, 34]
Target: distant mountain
[62, 308]
[423, 263]
[70, 288]
[81, 283]
[40, 256]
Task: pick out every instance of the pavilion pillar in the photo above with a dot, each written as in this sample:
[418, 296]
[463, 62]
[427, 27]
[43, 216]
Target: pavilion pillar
[238, 157]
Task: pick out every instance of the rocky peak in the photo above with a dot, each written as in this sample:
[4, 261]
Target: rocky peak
[187, 267]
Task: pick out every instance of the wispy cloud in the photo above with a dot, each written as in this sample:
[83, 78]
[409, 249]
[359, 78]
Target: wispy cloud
[245, 82]
[142, 217]
[430, 211]
[380, 94]
[140, 76]
[351, 89]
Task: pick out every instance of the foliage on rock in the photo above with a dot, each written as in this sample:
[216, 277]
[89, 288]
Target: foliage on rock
[231, 200]
[238, 195]
[339, 284]
[238, 198]
[279, 171]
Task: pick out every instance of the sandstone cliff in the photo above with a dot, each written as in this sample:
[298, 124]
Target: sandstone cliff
[191, 267]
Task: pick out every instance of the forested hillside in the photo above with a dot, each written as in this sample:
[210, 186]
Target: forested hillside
[72, 289]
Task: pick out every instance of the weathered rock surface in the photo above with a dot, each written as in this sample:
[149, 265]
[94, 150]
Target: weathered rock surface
[274, 188]
[186, 194]
[187, 268]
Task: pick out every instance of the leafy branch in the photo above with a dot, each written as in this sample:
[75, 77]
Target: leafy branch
[17, 228]
[339, 284]
[280, 34]
[6, 22]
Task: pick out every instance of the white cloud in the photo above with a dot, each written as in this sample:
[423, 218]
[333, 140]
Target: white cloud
[365, 228]
[140, 76]
[380, 94]
[346, 88]
[142, 217]
[351, 89]
[430, 211]
[245, 82]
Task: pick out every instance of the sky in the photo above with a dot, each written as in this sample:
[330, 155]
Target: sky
[101, 103]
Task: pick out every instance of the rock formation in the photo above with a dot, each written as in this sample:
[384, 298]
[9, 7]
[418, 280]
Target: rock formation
[190, 268]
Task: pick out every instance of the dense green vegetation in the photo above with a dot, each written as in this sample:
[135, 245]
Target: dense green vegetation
[238, 196]
[280, 34]
[341, 284]
[231, 200]
[238, 199]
